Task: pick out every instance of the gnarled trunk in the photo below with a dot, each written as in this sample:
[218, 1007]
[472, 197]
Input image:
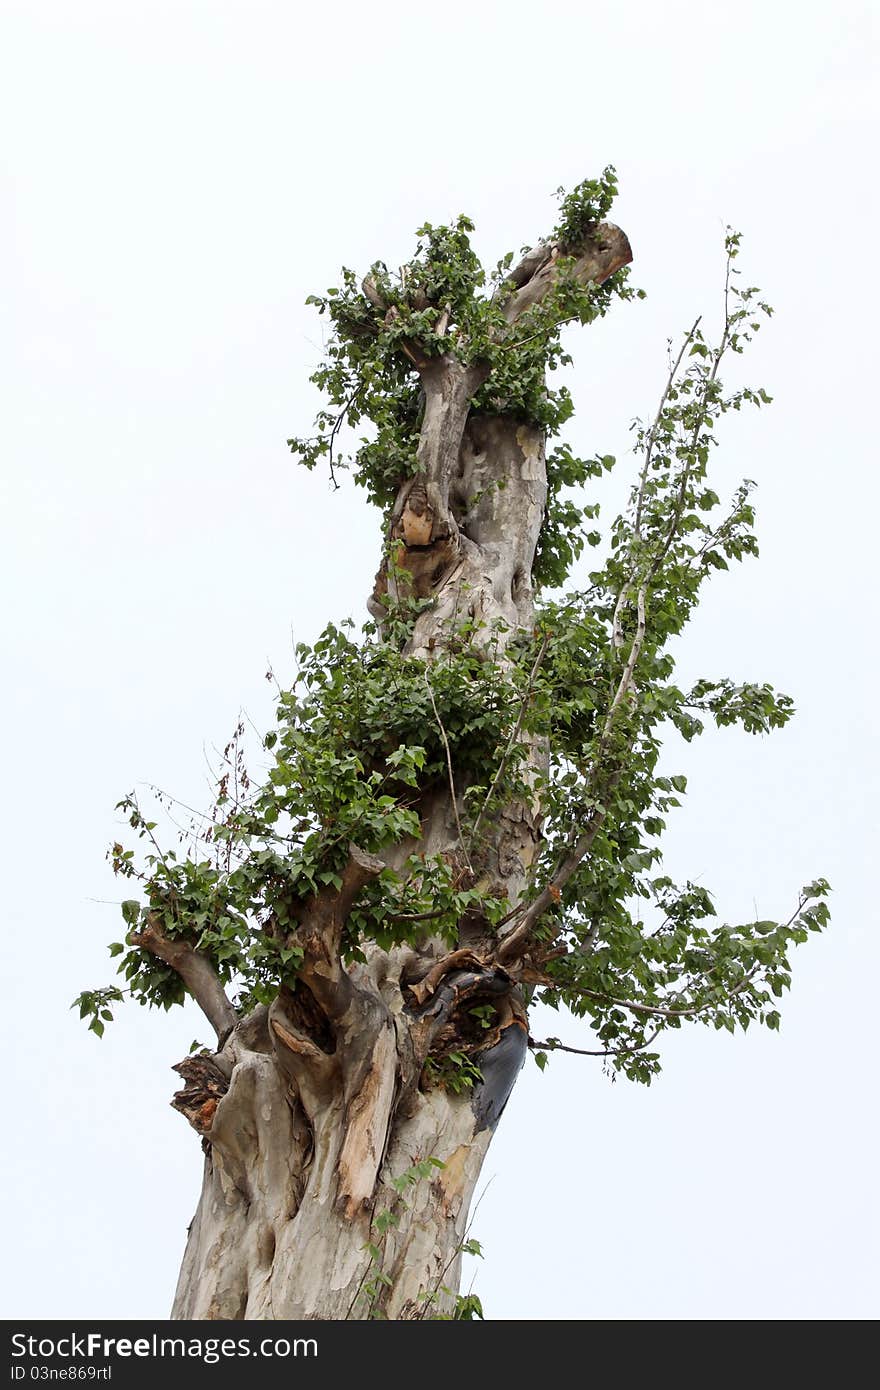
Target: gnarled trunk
[343, 1133]
[273, 1236]
[315, 1106]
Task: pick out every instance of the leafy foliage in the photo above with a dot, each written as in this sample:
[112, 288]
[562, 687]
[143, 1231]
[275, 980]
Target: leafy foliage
[365, 731]
[444, 302]
[455, 1072]
[584, 207]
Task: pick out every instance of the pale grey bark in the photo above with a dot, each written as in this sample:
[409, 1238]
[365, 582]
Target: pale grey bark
[303, 1147]
[312, 1107]
[269, 1239]
[600, 256]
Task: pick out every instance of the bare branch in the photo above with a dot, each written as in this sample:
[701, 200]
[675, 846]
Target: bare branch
[616, 634]
[513, 737]
[418, 916]
[449, 770]
[653, 1009]
[550, 1045]
[554, 1045]
[337, 426]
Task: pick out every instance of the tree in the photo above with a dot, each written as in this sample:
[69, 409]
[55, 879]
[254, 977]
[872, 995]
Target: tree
[463, 808]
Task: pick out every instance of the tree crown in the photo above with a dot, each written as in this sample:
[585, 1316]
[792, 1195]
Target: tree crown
[367, 728]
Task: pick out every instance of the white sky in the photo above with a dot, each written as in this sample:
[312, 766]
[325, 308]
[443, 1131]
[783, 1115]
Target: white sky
[176, 178]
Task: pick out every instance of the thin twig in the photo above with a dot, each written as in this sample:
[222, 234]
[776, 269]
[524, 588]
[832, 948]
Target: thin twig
[626, 679]
[419, 916]
[451, 775]
[616, 635]
[511, 945]
[654, 1009]
[550, 893]
[541, 332]
[652, 436]
[337, 426]
[700, 420]
[430, 1297]
[545, 641]
[554, 1045]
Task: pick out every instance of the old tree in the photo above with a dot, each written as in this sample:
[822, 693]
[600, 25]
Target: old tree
[462, 808]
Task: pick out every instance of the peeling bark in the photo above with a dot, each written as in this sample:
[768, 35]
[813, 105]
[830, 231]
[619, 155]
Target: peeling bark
[327, 1099]
[602, 254]
[289, 1197]
[313, 1107]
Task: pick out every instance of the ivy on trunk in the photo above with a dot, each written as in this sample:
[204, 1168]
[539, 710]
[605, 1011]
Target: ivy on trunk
[463, 810]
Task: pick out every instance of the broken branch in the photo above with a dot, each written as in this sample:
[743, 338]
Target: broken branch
[605, 252]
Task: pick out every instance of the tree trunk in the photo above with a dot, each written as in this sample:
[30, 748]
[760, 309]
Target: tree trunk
[345, 1125]
[273, 1239]
[311, 1110]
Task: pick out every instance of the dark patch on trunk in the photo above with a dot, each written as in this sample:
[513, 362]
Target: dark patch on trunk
[499, 1065]
[303, 1010]
[205, 1085]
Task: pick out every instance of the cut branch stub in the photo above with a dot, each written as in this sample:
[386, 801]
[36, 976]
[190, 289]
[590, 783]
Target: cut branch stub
[205, 1085]
[428, 520]
[605, 252]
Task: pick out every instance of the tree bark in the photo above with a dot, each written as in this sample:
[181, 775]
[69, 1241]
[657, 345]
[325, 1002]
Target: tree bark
[315, 1111]
[272, 1237]
[313, 1108]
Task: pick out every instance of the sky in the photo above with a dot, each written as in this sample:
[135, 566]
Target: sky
[175, 178]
